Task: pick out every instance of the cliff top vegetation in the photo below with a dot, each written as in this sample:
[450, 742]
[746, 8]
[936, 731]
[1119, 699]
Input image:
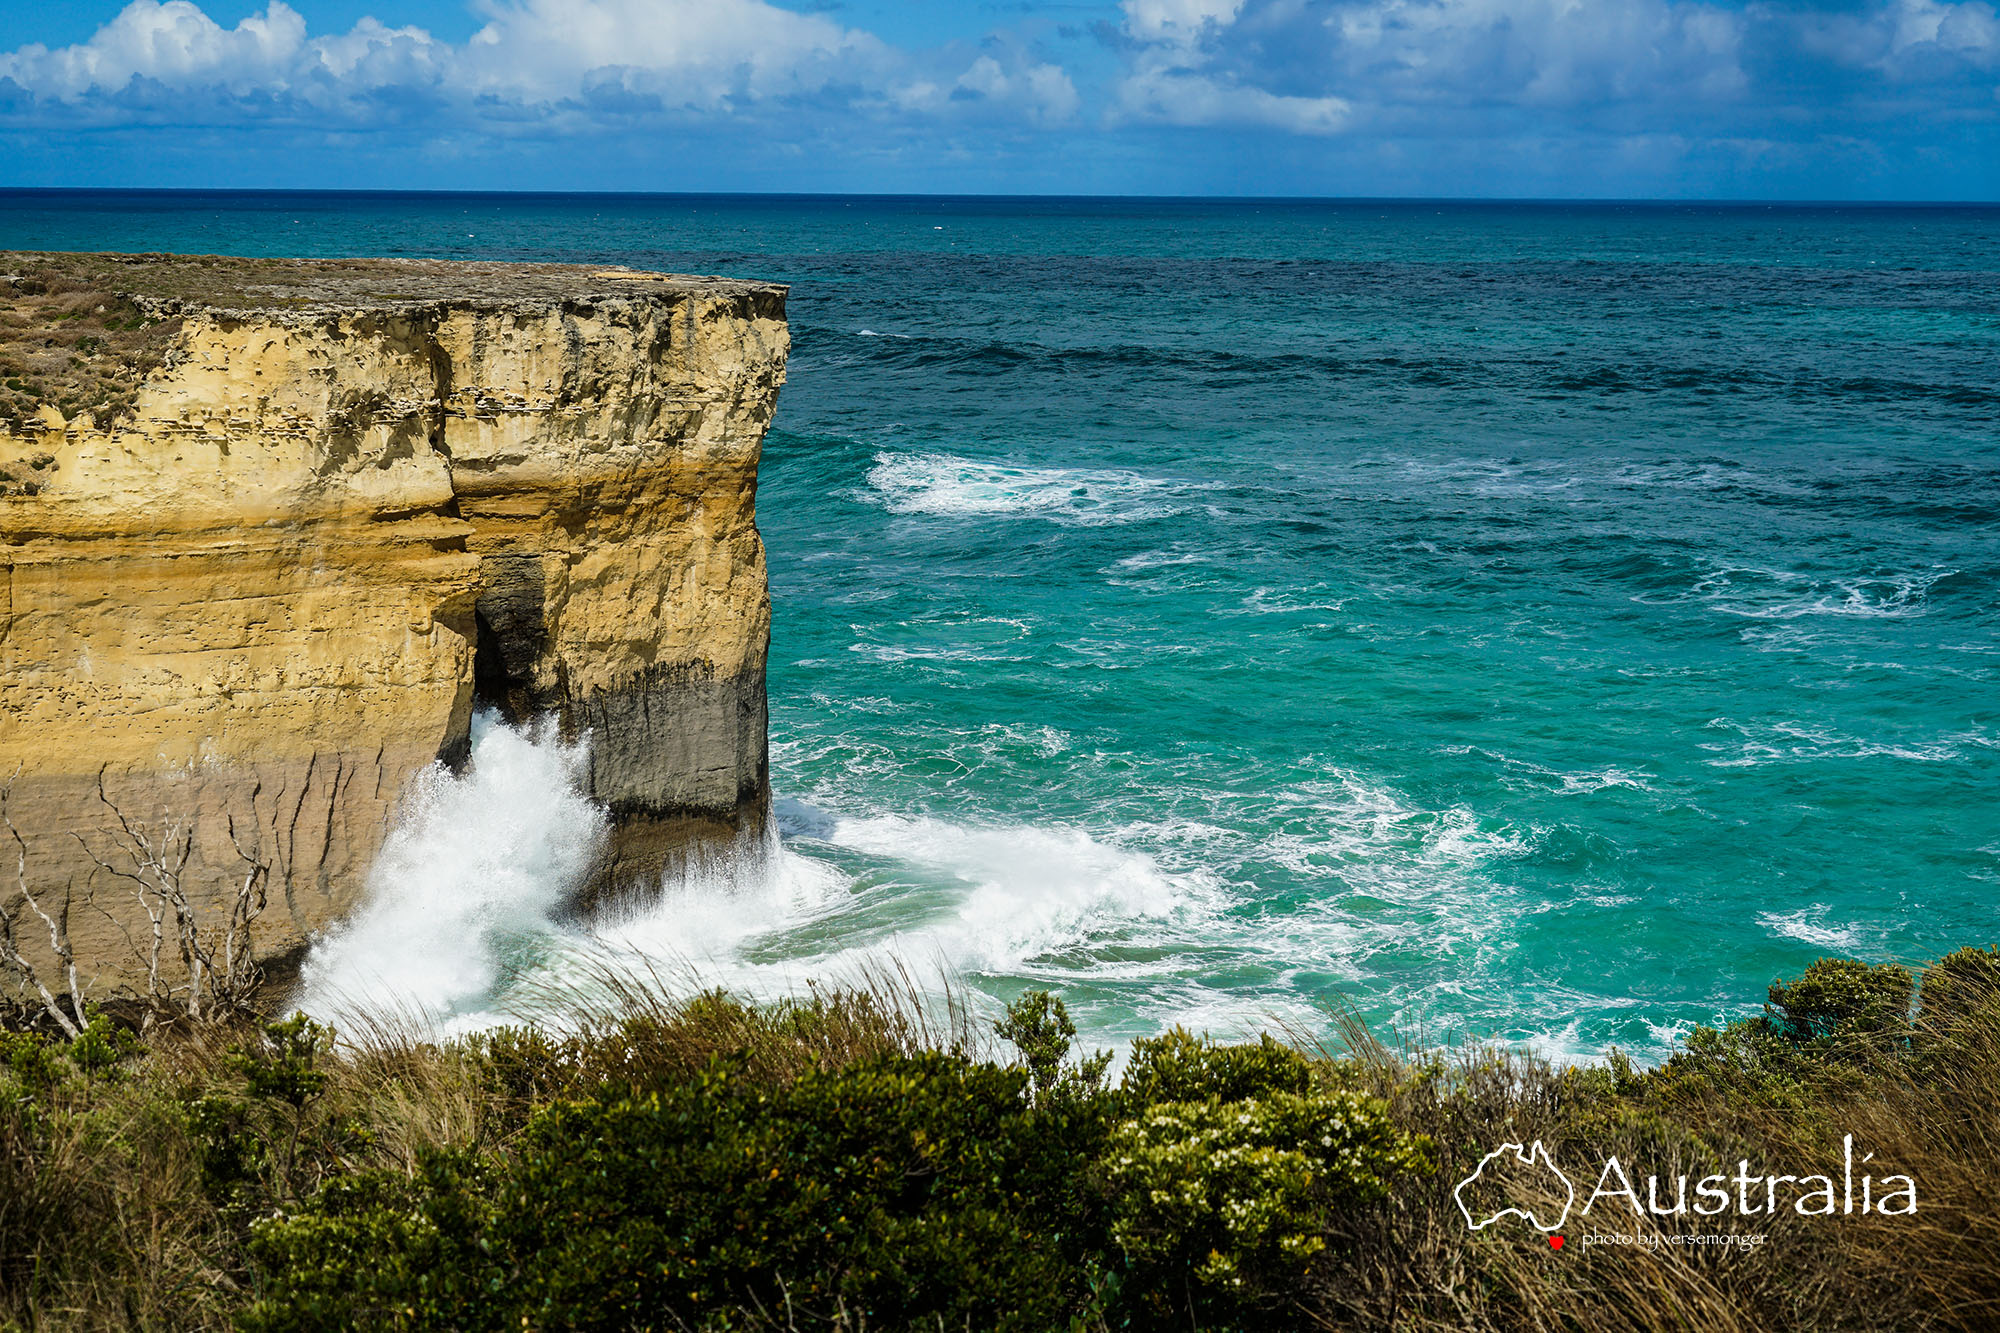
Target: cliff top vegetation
[81, 332]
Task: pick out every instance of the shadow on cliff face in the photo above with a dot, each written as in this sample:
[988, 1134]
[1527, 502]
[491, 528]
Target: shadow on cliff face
[512, 634]
[675, 755]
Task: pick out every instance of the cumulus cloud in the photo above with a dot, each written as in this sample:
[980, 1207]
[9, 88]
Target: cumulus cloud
[697, 53]
[1317, 70]
[1164, 94]
[1312, 67]
[1041, 92]
[174, 44]
[1182, 73]
[555, 63]
[1903, 40]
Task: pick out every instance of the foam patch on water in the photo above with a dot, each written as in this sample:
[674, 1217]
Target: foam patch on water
[1570, 782]
[1809, 925]
[1799, 742]
[946, 486]
[941, 897]
[945, 639]
[1784, 595]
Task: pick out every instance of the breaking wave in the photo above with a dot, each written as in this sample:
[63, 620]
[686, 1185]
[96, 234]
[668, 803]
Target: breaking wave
[944, 485]
[468, 882]
[463, 926]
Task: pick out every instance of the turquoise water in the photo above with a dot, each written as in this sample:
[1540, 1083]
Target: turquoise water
[1544, 623]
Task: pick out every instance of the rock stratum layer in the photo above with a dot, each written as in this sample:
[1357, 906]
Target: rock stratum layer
[268, 528]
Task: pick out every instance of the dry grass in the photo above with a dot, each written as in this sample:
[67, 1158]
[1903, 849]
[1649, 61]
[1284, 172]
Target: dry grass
[107, 1220]
[70, 341]
[1413, 1265]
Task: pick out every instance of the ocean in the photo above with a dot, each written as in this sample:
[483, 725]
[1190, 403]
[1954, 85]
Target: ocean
[1533, 623]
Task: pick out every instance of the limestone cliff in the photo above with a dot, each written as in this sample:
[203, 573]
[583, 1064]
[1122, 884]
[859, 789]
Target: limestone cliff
[267, 527]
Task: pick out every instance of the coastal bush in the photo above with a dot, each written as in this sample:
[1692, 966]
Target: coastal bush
[1958, 990]
[1180, 1067]
[1821, 1040]
[1841, 1007]
[847, 1161]
[1039, 1027]
[894, 1193]
[1218, 1207]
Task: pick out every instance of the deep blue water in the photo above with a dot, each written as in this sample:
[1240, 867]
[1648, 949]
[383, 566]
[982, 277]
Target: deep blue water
[1547, 622]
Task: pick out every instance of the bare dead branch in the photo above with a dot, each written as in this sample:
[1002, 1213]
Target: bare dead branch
[73, 1022]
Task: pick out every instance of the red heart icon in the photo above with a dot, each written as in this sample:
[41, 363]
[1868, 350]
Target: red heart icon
[1555, 1242]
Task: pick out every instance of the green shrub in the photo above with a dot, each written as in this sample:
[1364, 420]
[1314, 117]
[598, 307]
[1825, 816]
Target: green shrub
[899, 1192]
[1225, 1203]
[1959, 988]
[284, 1066]
[1817, 1043]
[381, 1250]
[1222, 1181]
[1039, 1027]
[1840, 1006]
[35, 1061]
[102, 1046]
[1180, 1067]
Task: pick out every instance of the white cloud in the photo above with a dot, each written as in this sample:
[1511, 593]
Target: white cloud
[1906, 38]
[1553, 52]
[1443, 68]
[694, 52]
[173, 43]
[1318, 68]
[553, 63]
[376, 56]
[1169, 85]
[1043, 92]
[1178, 20]
[1168, 96]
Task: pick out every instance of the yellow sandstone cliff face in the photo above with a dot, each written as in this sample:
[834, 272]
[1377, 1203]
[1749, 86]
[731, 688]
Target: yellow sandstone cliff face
[254, 570]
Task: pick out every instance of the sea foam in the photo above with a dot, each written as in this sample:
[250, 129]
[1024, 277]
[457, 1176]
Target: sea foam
[474, 871]
[944, 485]
[463, 926]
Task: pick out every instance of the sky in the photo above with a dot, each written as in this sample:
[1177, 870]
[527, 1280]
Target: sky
[1676, 99]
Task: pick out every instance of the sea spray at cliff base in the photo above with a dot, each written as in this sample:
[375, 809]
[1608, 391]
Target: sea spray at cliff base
[474, 875]
[466, 924]
[1546, 623]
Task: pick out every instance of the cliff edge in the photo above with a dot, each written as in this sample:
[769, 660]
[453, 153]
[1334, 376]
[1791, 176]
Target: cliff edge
[268, 528]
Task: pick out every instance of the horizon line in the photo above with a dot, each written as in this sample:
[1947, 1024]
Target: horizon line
[905, 196]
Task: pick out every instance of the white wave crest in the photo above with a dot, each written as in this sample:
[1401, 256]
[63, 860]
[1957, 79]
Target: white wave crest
[942, 898]
[946, 486]
[466, 902]
[1809, 925]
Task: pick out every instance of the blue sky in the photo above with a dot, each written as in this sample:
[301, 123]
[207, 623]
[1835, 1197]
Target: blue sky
[1845, 99]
